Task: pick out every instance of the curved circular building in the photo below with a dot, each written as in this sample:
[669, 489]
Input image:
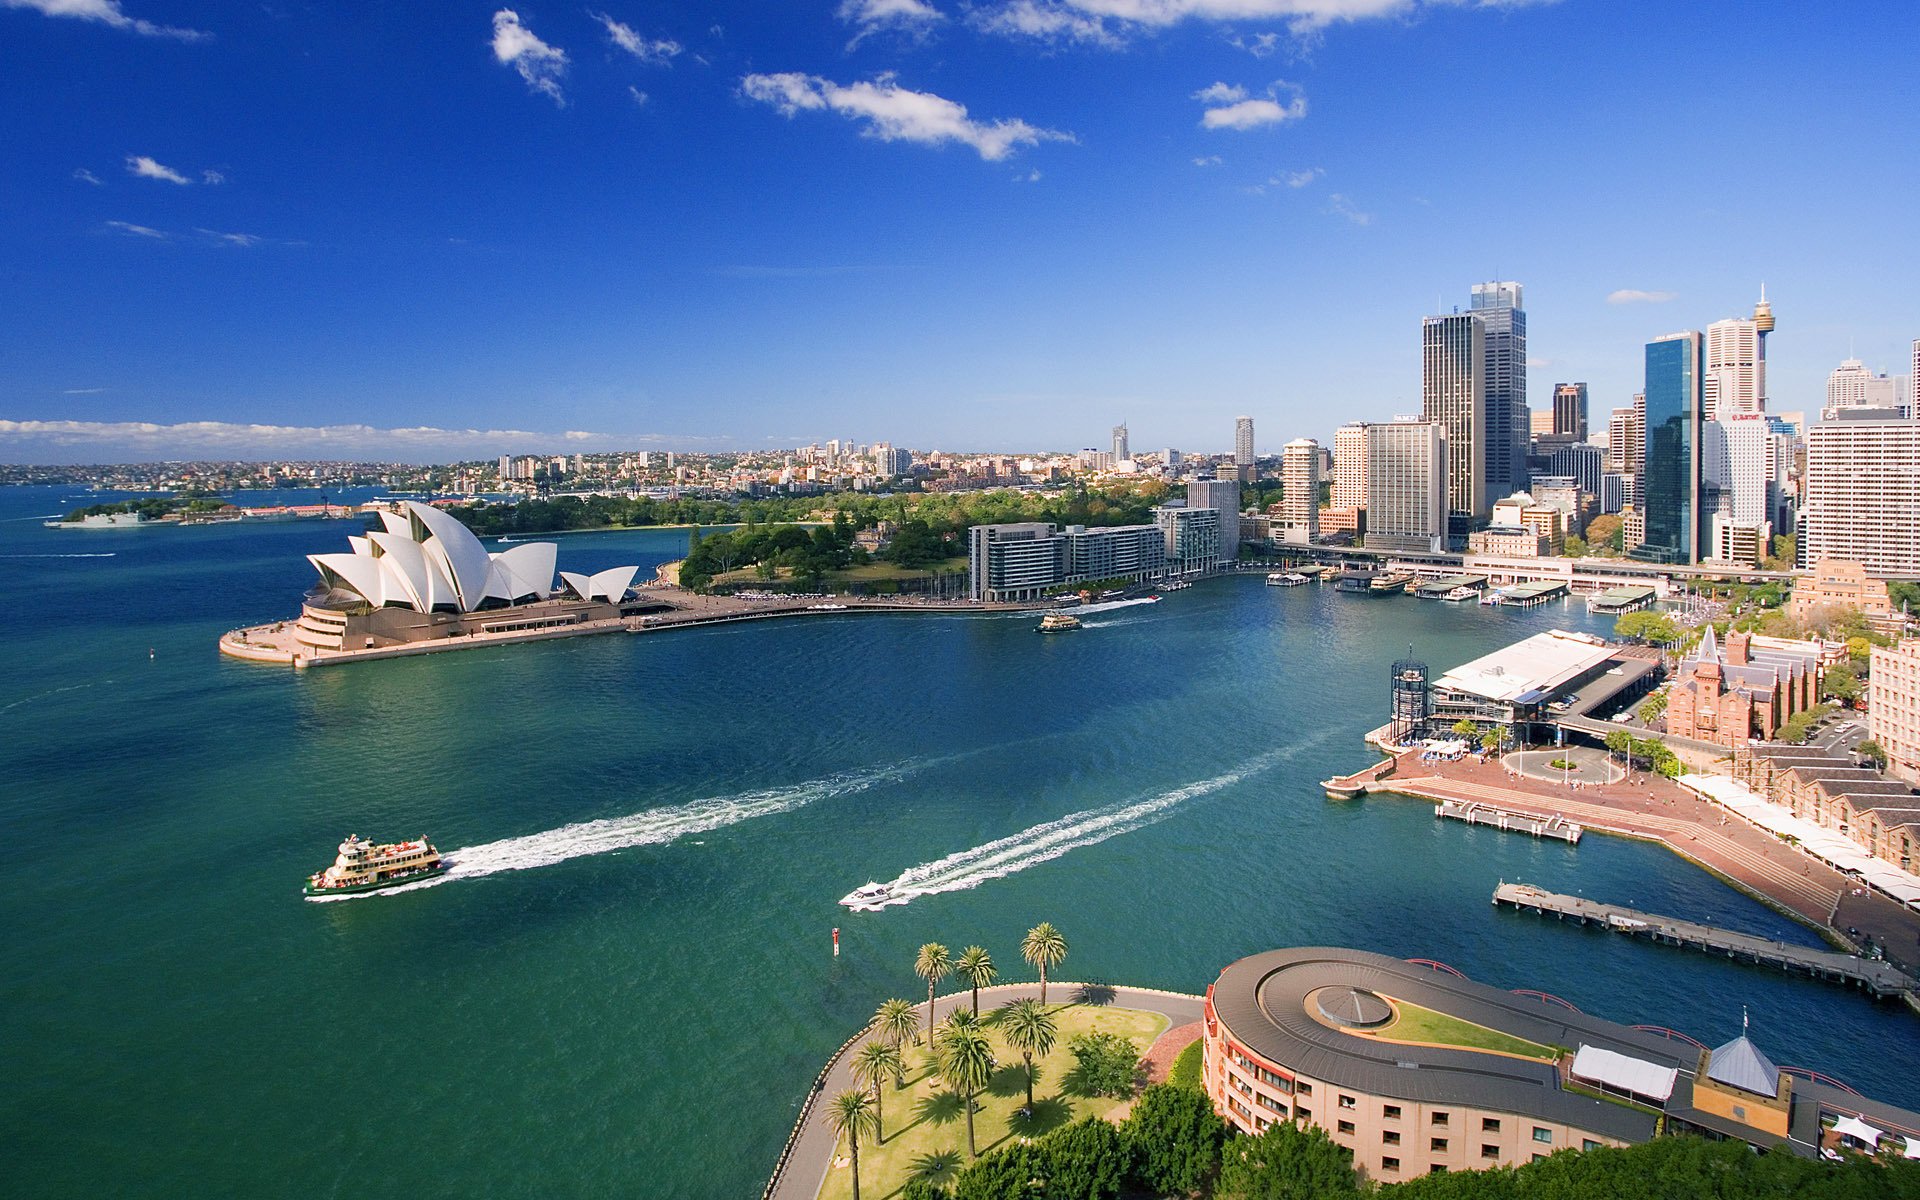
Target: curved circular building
[1415, 1070]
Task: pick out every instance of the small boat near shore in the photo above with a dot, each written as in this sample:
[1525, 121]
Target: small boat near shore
[1285, 579]
[1058, 622]
[363, 866]
[1460, 595]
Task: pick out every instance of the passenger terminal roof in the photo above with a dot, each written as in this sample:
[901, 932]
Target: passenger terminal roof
[1545, 663]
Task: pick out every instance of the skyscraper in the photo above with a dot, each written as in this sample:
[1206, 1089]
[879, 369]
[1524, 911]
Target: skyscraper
[1350, 465]
[1736, 372]
[1669, 491]
[1120, 451]
[1243, 444]
[1300, 491]
[1852, 385]
[1223, 496]
[1570, 411]
[1863, 493]
[1499, 306]
[1453, 370]
[1406, 487]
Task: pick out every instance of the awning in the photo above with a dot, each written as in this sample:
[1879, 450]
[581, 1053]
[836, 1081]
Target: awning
[1622, 1073]
[1913, 1147]
[1857, 1129]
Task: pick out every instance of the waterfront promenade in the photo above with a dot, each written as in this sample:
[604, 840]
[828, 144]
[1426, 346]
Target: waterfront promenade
[1647, 806]
[810, 1150]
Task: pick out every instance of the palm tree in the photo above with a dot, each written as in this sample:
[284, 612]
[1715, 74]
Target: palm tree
[1029, 1028]
[875, 1063]
[932, 965]
[896, 1021]
[849, 1112]
[1044, 947]
[975, 966]
[966, 1063]
[954, 1022]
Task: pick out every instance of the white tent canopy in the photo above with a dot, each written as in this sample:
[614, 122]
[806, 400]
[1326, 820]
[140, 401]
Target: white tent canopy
[1824, 844]
[1623, 1073]
[1854, 1127]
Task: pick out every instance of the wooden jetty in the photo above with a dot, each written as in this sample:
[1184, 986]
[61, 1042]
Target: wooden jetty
[1882, 980]
[1477, 813]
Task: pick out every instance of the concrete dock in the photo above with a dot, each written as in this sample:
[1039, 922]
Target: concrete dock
[1880, 979]
[1474, 813]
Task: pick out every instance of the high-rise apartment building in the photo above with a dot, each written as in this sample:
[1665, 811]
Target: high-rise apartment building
[1736, 369]
[1121, 453]
[1669, 491]
[1300, 492]
[1570, 410]
[1453, 372]
[1406, 487]
[1861, 498]
[506, 466]
[1350, 466]
[1756, 467]
[1021, 561]
[1243, 456]
[1222, 496]
[1498, 305]
[1852, 385]
[1191, 537]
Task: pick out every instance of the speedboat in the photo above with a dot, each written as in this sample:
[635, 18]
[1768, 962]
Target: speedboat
[872, 897]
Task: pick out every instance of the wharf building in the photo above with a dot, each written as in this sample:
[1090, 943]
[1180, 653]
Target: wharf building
[1893, 706]
[1024, 560]
[1879, 815]
[1308, 1035]
[1405, 480]
[1531, 686]
[423, 576]
[1862, 493]
[1748, 689]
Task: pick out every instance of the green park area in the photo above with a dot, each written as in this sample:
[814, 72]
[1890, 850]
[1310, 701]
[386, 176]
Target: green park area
[923, 1122]
[1427, 1027]
[874, 576]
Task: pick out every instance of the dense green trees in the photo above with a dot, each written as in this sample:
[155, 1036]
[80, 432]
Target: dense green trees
[1287, 1162]
[1176, 1138]
[1087, 1160]
[1105, 1064]
[1654, 628]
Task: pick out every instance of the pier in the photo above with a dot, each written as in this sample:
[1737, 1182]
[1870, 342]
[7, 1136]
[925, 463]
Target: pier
[1880, 979]
[1527, 595]
[1474, 813]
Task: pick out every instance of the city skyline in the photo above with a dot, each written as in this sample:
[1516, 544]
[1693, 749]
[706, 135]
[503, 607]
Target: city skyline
[933, 225]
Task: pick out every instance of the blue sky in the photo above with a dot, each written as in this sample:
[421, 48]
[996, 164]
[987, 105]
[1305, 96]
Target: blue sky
[979, 225]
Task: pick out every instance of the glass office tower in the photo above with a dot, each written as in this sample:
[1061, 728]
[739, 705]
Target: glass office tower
[1669, 488]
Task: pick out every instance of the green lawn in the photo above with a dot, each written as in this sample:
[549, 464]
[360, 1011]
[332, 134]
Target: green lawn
[1424, 1025]
[926, 1128]
[874, 572]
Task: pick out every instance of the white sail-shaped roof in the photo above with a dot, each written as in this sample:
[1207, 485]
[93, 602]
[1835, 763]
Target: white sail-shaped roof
[425, 560]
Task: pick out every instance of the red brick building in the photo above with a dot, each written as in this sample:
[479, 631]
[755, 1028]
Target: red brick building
[1729, 696]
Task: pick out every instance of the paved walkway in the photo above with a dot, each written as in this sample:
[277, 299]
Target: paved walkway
[1648, 806]
[813, 1151]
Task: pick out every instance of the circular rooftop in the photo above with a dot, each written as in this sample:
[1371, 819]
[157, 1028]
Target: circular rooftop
[1351, 1007]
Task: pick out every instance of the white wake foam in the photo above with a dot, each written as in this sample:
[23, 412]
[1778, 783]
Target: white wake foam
[653, 827]
[108, 554]
[1044, 843]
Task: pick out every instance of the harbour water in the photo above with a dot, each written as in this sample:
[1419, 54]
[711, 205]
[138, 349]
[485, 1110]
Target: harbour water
[628, 984]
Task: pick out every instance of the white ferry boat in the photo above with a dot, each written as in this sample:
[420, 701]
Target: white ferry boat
[1460, 594]
[365, 867]
[1058, 622]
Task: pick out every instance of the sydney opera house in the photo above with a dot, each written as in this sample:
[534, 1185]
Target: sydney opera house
[425, 577]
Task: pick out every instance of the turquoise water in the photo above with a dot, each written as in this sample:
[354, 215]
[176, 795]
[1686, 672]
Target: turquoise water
[646, 1018]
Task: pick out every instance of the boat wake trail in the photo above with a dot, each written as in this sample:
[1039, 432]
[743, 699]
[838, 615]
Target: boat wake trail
[108, 554]
[1043, 843]
[653, 827]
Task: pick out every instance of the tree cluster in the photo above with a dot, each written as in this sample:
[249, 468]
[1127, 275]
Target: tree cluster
[807, 554]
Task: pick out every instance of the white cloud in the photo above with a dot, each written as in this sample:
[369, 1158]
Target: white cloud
[1112, 22]
[212, 178]
[82, 391]
[1045, 20]
[147, 168]
[86, 176]
[232, 239]
[129, 441]
[1032, 176]
[639, 97]
[868, 17]
[132, 230]
[659, 51]
[1210, 160]
[1233, 108]
[1636, 296]
[1260, 45]
[892, 113]
[1341, 206]
[1297, 179]
[540, 66]
[107, 12]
